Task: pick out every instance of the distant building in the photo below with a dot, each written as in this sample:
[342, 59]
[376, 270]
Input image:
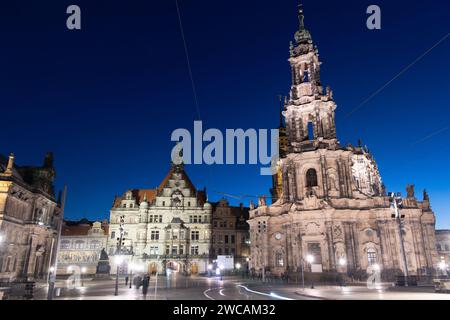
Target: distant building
[443, 245]
[230, 232]
[81, 244]
[168, 227]
[29, 216]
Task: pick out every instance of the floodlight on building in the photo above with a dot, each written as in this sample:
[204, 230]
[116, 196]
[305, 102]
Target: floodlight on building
[342, 262]
[238, 266]
[310, 258]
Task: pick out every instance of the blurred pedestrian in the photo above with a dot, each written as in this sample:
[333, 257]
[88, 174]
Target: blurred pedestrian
[145, 284]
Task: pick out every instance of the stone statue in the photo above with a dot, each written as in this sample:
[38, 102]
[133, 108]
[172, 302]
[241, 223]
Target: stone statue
[425, 195]
[410, 191]
[262, 201]
[103, 266]
[252, 205]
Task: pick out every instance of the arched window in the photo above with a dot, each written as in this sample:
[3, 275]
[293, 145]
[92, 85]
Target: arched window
[438, 247]
[311, 178]
[279, 260]
[371, 256]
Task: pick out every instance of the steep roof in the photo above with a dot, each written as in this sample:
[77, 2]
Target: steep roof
[81, 228]
[138, 194]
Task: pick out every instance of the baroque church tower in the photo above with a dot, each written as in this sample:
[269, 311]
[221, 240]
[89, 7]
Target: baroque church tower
[328, 200]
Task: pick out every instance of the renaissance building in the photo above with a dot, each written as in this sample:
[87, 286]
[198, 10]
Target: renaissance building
[81, 245]
[331, 212]
[167, 228]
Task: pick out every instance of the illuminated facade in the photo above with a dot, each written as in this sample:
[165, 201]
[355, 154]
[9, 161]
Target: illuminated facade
[81, 244]
[329, 201]
[167, 228]
[29, 218]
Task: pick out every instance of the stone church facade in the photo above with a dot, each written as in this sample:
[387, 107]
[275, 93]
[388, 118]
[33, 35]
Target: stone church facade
[164, 228]
[29, 218]
[329, 200]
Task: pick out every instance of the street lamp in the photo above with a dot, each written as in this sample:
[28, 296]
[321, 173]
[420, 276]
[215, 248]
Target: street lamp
[342, 262]
[310, 260]
[238, 267]
[118, 259]
[210, 266]
[83, 271]
[443, 266]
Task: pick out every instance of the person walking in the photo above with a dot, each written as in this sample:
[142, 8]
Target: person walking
[126, 280]
[145, 284]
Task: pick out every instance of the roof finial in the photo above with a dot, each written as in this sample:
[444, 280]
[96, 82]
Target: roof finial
[301, 17]
[280, 97]
[10, 165]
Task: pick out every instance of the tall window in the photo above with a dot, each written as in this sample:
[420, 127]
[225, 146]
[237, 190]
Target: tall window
[226, 238]
[279, 262]
[194, 250]
[154, 235]
[371, 256]
[65, 244]
[113, 235]
[195, 235]
[311, 178]
[154, 250]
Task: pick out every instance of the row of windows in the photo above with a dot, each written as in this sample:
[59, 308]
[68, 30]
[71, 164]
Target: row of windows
[225, 251]
[134, 205]
[440, 247]
[198, 219]
[225, 239]
[80, 244]
[155, 218]
[195, 235]
[222, 224]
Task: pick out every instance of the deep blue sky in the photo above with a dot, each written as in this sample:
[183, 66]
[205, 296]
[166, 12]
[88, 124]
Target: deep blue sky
[106, 99]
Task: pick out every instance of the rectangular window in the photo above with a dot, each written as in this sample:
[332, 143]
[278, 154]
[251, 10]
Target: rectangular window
[150, 219]
[160, 219]
[195, 235]
[226, 251]
[181, 250]
[174, 250]
[194, 250]
[191, 220]
[226, 239]
[154, 235]
[154, 250]
[195, 219]
[167, 249]
[232, 238]
[113, 235]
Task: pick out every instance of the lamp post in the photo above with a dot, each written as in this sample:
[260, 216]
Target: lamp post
[443, 266]
[238, 267]
[310, 260]
[396, 204]
[83, 271]
[210, 266]
[118, 258]
[342, 262]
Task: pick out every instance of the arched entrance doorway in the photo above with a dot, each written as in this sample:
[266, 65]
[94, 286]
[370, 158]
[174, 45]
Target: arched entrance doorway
[194, 268]
[152, 268]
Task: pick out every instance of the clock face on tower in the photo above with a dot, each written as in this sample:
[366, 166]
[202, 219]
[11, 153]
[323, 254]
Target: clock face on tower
[278, 236]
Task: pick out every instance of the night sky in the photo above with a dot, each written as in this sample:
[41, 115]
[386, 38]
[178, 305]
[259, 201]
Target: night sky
[106, 98]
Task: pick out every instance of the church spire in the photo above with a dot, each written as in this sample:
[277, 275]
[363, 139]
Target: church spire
[301, 17]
